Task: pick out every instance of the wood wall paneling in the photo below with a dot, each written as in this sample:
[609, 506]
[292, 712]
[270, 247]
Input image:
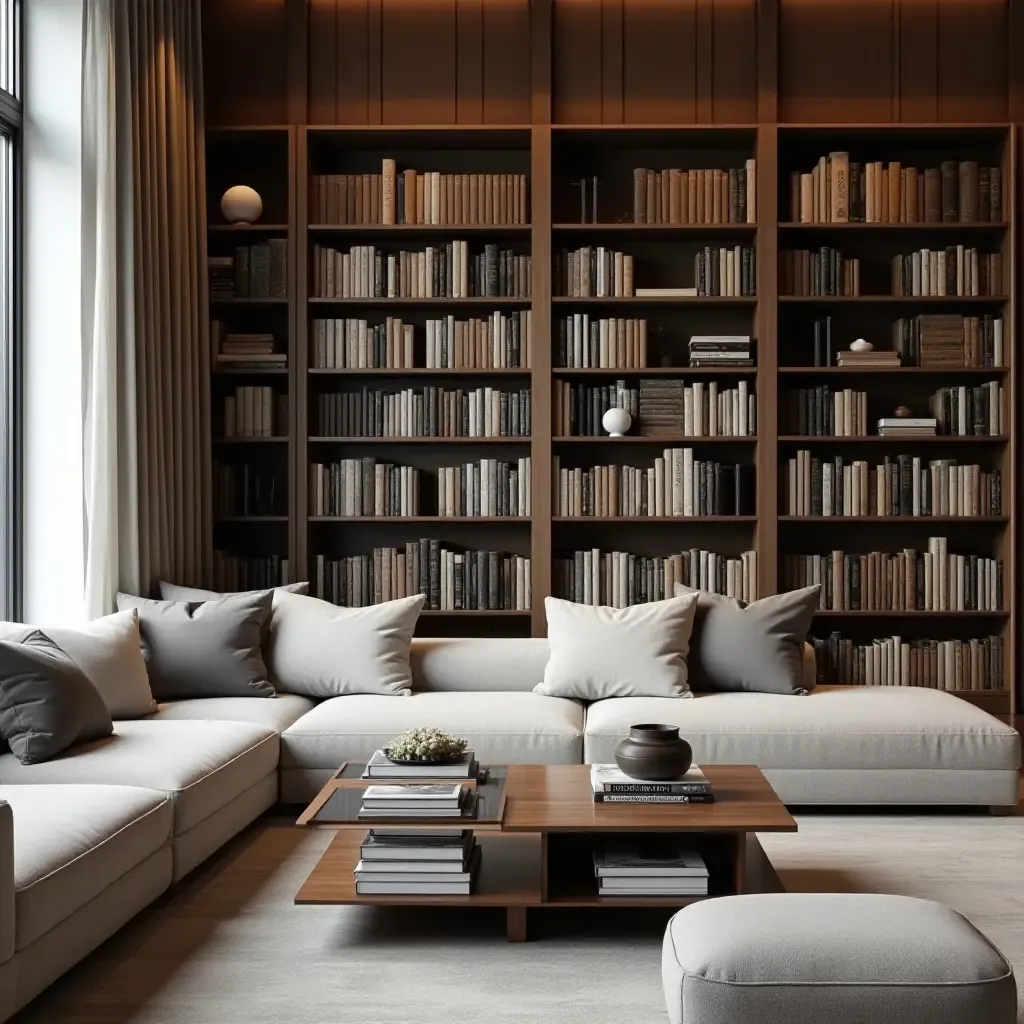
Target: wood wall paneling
[972, 60]
[245, 75]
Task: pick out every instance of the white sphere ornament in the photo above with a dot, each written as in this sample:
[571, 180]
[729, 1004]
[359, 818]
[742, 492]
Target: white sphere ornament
[860, 345]
[616, 422]
[241, 205]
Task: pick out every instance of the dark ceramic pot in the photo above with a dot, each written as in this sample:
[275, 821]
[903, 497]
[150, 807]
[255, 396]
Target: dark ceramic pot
[654, 753]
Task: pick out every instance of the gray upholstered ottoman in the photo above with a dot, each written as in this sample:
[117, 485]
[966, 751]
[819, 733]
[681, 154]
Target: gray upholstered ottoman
[787, 958]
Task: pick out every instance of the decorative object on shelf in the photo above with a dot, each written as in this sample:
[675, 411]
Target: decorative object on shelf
[417, 746]
[860, 345]
[241, 205]
[655, 753]
[901, 412]
[616, 422]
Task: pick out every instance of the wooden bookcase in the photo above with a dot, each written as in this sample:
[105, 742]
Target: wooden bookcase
[554, 156]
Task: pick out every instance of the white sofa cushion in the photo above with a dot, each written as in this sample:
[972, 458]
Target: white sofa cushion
[478, 663]
[201, 765]
[503, 728]
[73, 842]
[836, 727]
[275, 713]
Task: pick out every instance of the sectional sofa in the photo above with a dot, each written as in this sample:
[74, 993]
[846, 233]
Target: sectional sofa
[90, 838]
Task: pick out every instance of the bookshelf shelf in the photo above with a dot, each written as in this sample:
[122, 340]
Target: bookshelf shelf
[287, 158]
[481, 612]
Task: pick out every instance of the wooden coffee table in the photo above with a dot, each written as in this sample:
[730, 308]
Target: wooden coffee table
[536, 843]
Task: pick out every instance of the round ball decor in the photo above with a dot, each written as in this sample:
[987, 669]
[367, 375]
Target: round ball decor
[902, 411]
[241, 205]
[616, 422]
[860, 345]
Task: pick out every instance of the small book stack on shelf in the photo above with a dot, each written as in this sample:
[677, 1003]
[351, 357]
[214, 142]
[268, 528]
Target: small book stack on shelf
[720, 350]
[415, 801]
[251, 351]
[611, 785]
[649, 866]
[417, 862]
[907, 426]
[619, 579]
[849, 359]
[380, 766]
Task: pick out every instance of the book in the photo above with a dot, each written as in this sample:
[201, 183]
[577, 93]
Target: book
[654, 798]
[609, 778]
[654, 293]
[449, 845]
[381, 766]
[417, 793]
[657, 857]
[651, 887]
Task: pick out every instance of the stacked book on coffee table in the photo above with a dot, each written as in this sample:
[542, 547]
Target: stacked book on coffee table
[404, 862]
[612, 786]
[410, 800]
[380, 766]
[650, 866]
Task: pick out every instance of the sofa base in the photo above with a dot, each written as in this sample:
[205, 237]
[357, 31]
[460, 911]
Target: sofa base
[39, 965]
[300, 785]
[895, 786]
[193, 847]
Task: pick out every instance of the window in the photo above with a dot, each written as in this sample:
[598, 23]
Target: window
[10, 288]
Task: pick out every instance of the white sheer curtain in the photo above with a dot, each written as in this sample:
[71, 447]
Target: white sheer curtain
[109, 461]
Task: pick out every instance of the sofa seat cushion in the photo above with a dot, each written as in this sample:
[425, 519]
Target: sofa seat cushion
[202, 765]
[836, 727]
[503, 728]
[275, 713]
[71, 843]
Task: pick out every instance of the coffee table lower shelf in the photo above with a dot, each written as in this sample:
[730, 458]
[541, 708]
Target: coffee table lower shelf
[520, 871]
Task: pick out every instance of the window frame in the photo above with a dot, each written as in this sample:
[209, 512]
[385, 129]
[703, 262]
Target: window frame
[11, 335]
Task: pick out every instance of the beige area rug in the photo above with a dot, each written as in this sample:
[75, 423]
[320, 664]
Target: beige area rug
[229, 947]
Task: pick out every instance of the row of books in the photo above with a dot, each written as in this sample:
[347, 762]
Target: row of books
[579, 408]
[949, 341]
[238, 350]
[452, 580]
[926, 581]
[449, 271]
[240, 489]
[611, 343]
[363, 487]
[975, 664]
[255, 411]
[618, 579]
[416, 861]
[592, 271]
[424, 412]
[232, 572]
[726, 271]
[676, 485]
[837, 190]
[670, 406]
[418, 197]
[253, 272]
[490, 487]
[970, 411]
[824, 272]
[902, 485]
[955, 270]
[823, 411]
[695, 195]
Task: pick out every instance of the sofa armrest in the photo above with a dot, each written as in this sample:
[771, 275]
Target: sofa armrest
[6, 882]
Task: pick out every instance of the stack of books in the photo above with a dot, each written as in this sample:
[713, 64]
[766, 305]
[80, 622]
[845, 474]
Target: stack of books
[874, 357]
[403, 862]
[653, 866]
[380, 766]
[909, 426]
[720, 350]
[612, 786]
[248, 352]
[445, 800]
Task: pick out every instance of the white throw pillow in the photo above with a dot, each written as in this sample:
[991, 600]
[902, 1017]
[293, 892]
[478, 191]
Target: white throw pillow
[109, 652]
[172, 592]
[319, 650]
[599, 652]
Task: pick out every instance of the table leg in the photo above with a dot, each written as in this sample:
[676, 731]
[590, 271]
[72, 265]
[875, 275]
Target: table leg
[740, 882]
[515, 924]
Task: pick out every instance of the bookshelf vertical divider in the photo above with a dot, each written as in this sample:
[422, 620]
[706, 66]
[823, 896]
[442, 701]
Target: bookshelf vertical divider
[298, 352]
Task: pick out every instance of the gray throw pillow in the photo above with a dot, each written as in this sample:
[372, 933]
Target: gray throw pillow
[47, 703]
[172, 592]
[756, 647]
[204, 649]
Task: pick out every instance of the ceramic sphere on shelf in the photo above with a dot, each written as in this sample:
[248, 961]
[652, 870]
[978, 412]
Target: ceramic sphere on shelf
[860, 345]
[241, 205]
[901, 411]
[654, 753]
[616, 422]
